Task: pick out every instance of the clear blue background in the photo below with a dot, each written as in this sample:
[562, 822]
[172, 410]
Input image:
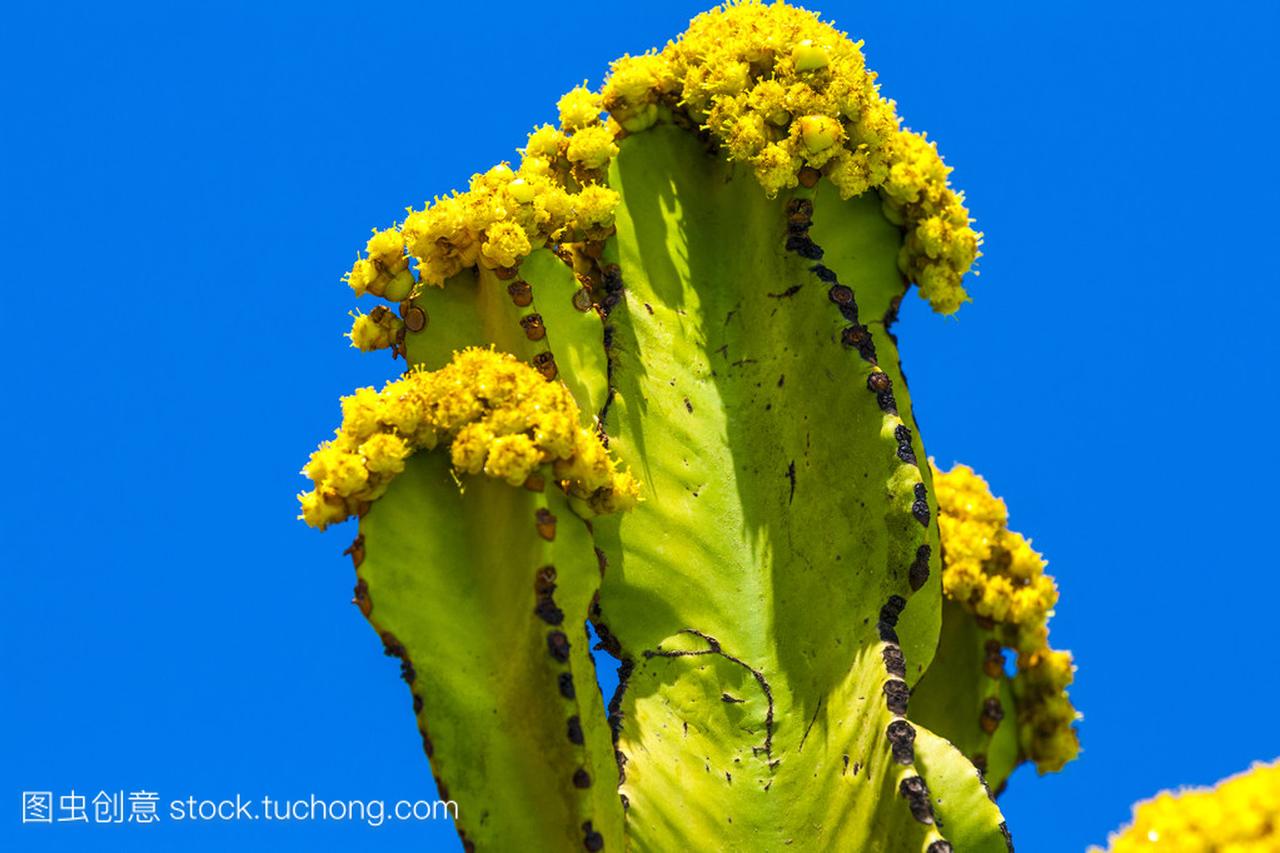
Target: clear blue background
[180, 190]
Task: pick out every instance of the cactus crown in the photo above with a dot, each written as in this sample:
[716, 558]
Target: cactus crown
[773, 86]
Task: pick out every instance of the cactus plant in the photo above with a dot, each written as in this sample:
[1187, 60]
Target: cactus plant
[659, 354]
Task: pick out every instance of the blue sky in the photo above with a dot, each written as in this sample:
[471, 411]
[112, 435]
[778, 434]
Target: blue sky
[180, 190]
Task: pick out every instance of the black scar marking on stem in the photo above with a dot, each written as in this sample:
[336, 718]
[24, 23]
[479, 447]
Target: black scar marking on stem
[544, 585]
[360, 597]
[859, 337]
[993, 662]
[415, 319]
[992, 714]
[534, 329]
[545, 363]
[615, 703]
[920, 506]
[799, 218]
[791, 475]
[919, 571]
[917, 796]
[896, 694]
[521, 293]
[417, 704]
[894, 661]
[879, 382]
[565, 683]
[608, 642]
[391, 647]
[843, 298]
[715, 649]
[803, 246]
[558, 646]
[611, 279]
[940, 846]
[611, 282]
[591, 839]
[824, 274]
[544, 580]
[889, 618]
[892, 609]
[574, 730]
[545, 522]
[581, 778]
[902, 741]
[809, 727]
[789, 292]
[356, 551]
[856, 335]
[1008, 838]
[905, 451]
[621, 759]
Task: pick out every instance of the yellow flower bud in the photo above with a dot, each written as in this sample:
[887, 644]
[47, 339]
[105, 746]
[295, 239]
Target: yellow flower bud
[809, 57]
[579, 108]
[820, 132]
[398, 288]
[505, 244]
[361, 276]
[592, 147]
[370, 332]
[521, 191]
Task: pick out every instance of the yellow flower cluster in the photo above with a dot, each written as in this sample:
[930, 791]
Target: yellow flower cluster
[556, 195]
[779, 89]
[994, 573]
[786, 93]
[385, 270]
[503, 418]
[1240, 815]
[379, 329]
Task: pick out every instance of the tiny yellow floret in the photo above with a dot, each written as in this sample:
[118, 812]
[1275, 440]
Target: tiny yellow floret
[579, 108]
[592, 147]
